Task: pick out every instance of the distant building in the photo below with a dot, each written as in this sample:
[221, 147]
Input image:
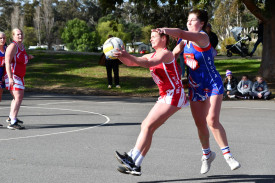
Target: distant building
[137, 47]
[60, 47]
[38, 47]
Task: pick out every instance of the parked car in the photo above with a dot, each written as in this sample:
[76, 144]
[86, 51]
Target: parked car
[143, 51]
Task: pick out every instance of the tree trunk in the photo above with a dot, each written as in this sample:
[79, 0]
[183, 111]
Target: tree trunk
[267, 69]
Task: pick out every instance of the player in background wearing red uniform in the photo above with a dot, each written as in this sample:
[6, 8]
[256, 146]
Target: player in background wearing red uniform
[166, 75]
[16, 60]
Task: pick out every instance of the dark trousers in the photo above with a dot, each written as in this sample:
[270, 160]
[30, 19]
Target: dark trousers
[259, 40]
[266, 95]
[112, 65]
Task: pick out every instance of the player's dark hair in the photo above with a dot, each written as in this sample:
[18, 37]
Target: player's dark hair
[167, 38]
[202, 15]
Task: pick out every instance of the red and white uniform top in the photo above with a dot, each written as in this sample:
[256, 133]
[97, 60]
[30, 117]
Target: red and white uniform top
[19, 62]
[166, 76]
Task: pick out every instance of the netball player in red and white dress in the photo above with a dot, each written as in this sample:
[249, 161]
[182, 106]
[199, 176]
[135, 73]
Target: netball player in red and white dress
[165, 72]
[16, 59]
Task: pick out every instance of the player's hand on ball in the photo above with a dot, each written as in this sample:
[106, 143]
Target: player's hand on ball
[120, 52]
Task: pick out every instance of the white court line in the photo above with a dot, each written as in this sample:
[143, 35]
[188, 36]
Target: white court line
[248, 108]
[57, 103]
[65, 132]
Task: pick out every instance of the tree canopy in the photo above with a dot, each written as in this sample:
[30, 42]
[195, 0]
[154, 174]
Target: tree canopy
[78, 36]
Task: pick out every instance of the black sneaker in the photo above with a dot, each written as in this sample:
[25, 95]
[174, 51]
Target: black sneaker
[125, 160]
[15, 126]
[17, 120]
[136, 171]
[124, 170]
[128, 163]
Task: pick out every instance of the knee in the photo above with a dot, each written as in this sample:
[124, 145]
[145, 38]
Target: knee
[146, 128]
[19, 97]
[212, 122]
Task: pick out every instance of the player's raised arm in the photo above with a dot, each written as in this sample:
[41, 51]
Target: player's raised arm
[178, 49]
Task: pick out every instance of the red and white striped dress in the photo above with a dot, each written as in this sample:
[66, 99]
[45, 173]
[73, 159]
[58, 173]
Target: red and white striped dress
[18, 69]
[167, 77]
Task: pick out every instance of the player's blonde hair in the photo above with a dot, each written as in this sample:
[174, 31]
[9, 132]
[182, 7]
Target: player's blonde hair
[13, 31]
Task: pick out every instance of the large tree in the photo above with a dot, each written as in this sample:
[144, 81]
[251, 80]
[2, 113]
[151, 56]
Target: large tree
[265, 11]
[79, 37]
[48, 19]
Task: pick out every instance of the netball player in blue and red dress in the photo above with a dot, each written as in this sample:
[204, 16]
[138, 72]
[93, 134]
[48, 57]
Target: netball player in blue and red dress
[206, 88]
[2, 62]
[165, 72]
[16, 60]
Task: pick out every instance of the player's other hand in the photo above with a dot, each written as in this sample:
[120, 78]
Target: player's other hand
[159, 30]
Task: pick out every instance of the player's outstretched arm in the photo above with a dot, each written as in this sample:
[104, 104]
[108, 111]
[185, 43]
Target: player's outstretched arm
[200, 38]
[129, 59]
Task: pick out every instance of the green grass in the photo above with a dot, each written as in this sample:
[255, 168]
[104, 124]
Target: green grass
[239, 66]
[81, 74]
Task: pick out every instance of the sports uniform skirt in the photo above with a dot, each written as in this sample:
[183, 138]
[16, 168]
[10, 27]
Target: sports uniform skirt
[19, 83]
[175, 97]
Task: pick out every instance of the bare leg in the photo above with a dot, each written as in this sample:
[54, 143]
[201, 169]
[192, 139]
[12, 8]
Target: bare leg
[156, 117]
[213, 120]
[199, 112]
[16, 102]
[208, 113]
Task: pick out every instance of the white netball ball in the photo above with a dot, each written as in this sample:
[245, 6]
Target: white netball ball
[111, 45]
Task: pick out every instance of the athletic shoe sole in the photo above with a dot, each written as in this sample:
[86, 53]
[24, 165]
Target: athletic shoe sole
[124, 170]
[12, 128]
[122, 162]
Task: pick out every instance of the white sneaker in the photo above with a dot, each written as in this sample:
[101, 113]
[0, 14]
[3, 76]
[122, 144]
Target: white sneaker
[206, 163]
[109, 86]
[234, 164]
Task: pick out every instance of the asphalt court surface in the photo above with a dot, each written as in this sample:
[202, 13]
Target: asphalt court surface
[73, 139]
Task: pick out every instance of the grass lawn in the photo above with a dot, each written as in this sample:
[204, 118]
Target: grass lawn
[81, 74]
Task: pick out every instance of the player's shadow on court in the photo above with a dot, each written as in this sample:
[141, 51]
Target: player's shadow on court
[53, 126]
[224, 179]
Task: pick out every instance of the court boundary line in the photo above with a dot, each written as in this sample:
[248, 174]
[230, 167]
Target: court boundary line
[63, 132]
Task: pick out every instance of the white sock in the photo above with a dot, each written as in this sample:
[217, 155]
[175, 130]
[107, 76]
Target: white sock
[13, 120]
[226, 152]
[139, 160]
[134, 153]
[206, 152]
